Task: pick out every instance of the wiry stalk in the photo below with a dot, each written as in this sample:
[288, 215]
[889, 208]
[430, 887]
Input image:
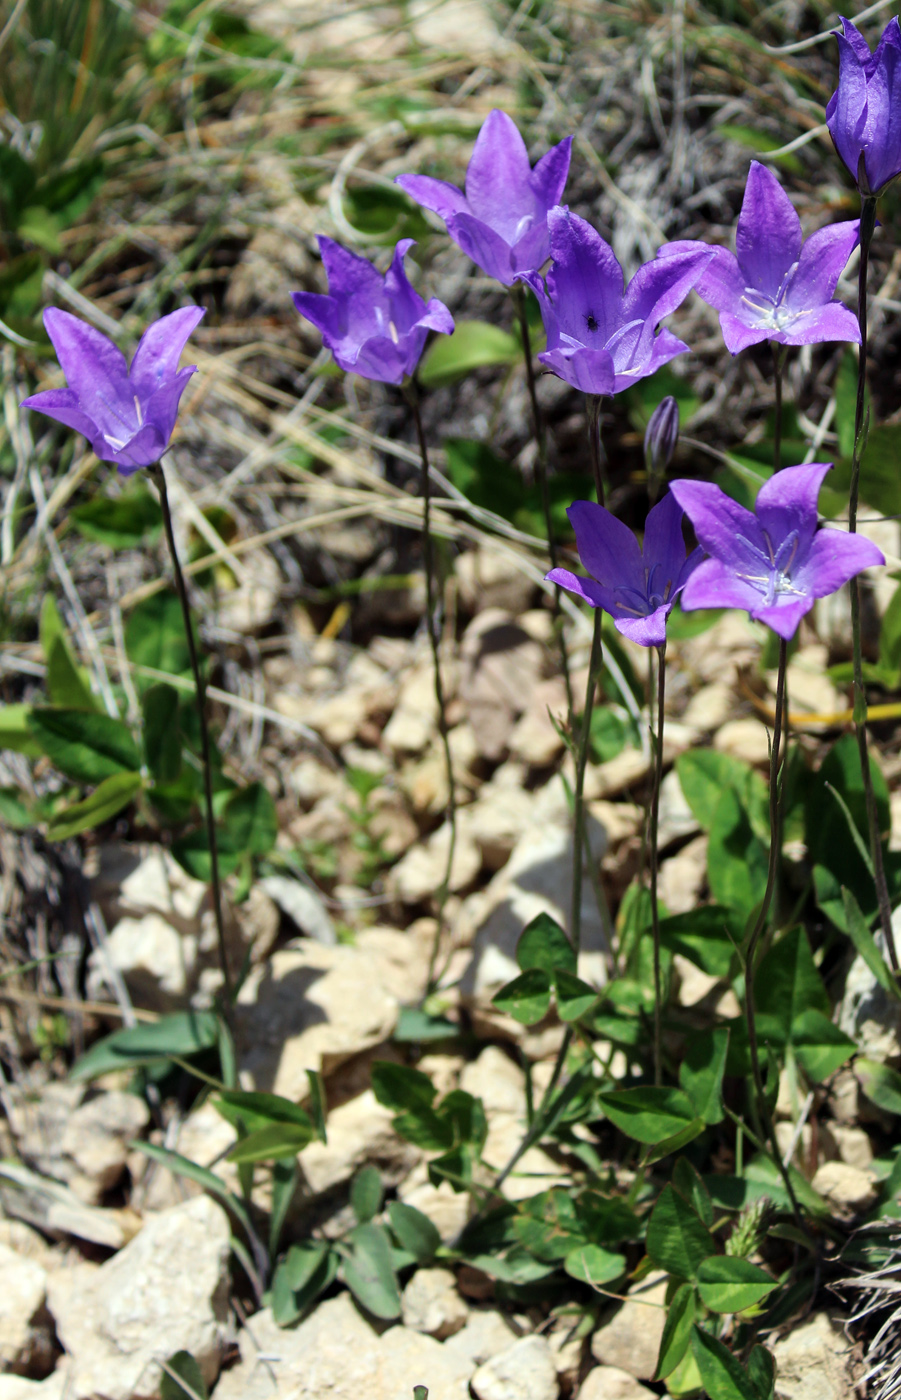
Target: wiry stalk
[584, 743]
[653, 861]
[595, 403]
[432, 627]
[867, 227]
[158, 475]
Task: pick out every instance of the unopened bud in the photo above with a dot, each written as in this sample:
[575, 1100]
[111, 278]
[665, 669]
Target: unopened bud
[661, 436]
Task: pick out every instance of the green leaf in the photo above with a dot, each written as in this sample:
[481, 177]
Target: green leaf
[675, 1142]
[607, 1219]
[758, 142]
[400, 1087]
[690, 1183]
[15, 732]
[702, 1069]
[821, 1048]
[676, 1239]
[307, 1270]
[155, 636]
[185, 1368]
[193, 854]
[865, 943]
[15, 810]
[786, 985]
[880, 1083]
[826, 826]
[574, 997]
[416, 1025]
[527, 998]
[880, 485]
[317, 1103]
[366, 1193]
[285, 1176]
[415, 1232]
[702, 936]
[473, 345]
[729, 1285]
[249, 821]
[84, 745]
[647, 1114]
[890, 636]
[426, 1129]
[676, 1337]
[268, 1144]
[104, 802]
[184, 1033]
[369, 1273]
[736, 857]
[704, 774]
[762, 1372]
[543, 944]
[595, 1266]
[122, 522]
[162, 740]
[723, 1375]
[183, 1166]
[247, 1110]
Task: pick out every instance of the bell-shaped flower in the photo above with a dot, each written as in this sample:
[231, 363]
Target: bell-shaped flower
[864, 112]
[601, 338]
[126, 413]
[501, 220]
[374, 325]
[775, 286]
[636, 584]
[772, 561]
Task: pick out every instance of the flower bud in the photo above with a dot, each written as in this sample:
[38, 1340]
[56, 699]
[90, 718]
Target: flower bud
[660, 438]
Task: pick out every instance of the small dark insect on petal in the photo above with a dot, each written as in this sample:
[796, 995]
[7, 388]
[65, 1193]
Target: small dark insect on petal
[590, 322]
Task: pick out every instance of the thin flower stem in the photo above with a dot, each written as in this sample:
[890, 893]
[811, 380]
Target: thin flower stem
[594, 666]
[779, 353]
[867, 228]
[595, 402]
[428, 560]
[159, 477]
[776, 793]
[653, 862]
[539, 429]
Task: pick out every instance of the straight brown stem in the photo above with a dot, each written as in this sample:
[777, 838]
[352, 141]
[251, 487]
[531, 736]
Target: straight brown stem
[200, 696]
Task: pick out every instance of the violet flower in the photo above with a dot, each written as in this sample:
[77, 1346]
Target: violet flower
[374, 325]
[864, 112]
[775, 286]
[773, 561]
[501, 220]
[126, 413]
[601, 339]
[636, 585]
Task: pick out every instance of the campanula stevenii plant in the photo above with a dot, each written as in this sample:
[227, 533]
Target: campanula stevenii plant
[127, 413]
[501, 220]
[375, 325]
[601, 338]
[864, 112]
[773, 561]
[776, 286]
[636, 584]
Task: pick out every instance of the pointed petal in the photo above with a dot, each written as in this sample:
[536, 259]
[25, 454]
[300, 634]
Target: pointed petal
[788, 501]
[348, 274]
[714, 585]
[88, 358]
[846, 111]
[436, 317]
[663, 548]
[533, 249]
[585, 281]
[722, 285]
[406, 307]
[584, 588]
[380, 359]
[550, 175]
[831, 322]
[498, 189]
[321, 310]
[835, 557]
[142, 450]
[487, 248]
[784, 615]
[724, 528]
[822, 262]
[738, 335]
[607, 547]
[545, 305]
[63, 405]
[160, 347]
[856, 40]
[440, 196]
[589, 371]
[660, 286]
[161, 409]
[647, 631]
[882, 133]
[663, 347]
[768, 236]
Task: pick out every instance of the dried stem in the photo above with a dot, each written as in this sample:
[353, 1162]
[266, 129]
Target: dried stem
[867, 227]
[653, 860]
[432, 626]
[158, 475]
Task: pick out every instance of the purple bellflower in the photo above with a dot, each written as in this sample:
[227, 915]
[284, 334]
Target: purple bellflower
[775, 286]
[772, 561]
[374, 325]
[127, 413]
[636, 585]
[864, 112]
[501, 220]
[601, 339]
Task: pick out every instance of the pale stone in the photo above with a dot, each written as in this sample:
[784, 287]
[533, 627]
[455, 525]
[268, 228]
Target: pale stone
[631, 1338]
[21, 1301]
[97, 1138]
[497, 819]
[854, 1145]
[303, 907]
[812, 1362]
[683, 876]
[310, 1007]
[54, 1208]
[165, 1291]
[26, 1242]
[489, 577]
[431, 1304]
[535, 738]
[55, 1387]
[250, 606]
[447, 1209]
[809, 686]
[155, 960]
[525, 1371]
[402, 958]
[610, 1383]
[486, 1334]
[310, 779]
[418, 874]
[847, 1188]
[748, 739]
[870, 1015]
[359, 1132]
[160, 884]
[336, 1353]
[694, 985]
[620, 820]
[534, 1171]
[340, 718]
[496, 1080]
[712, 706]
[731, 645]
[415, 716]
[676, 820]
[500, 668]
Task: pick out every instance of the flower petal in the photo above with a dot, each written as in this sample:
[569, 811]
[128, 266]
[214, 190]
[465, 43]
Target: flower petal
[846, 111]
[89, 359]
[661, 348]
[822, 262]
[856, 40]
[142, 450]
[831, 322]
[663, 548]
[385, 360]
[658, 287]
[585, 281]
[724, 528]
[485, 246]
[65, 406]
[721, 284]
[882, 133]
[160, 348]
[788, 501]
[584, 588]
[647, 631]
[436, 317]
[443, 198]
[322, 311]
[349, 275]
[714, 585]
[549, 177]
[784, 615]
[738, 334]
[835, 557]
[161, 408]
[607, 547]
[498, 178]
[405, 305]
[589, 371]
[768, 236]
